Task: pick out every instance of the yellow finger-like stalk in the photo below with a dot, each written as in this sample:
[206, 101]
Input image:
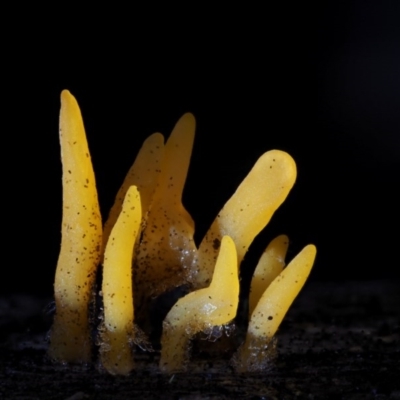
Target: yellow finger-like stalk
[167, 248]
[272, 307]
[117, 334]
[81, 240]
[202, 309]
[143, 174]
[268, 268]
[248, 211]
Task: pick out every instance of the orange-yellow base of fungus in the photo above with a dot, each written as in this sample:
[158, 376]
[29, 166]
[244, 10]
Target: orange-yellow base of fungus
[146, 249]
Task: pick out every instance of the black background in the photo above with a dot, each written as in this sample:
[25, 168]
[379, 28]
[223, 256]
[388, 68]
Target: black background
[320, 83]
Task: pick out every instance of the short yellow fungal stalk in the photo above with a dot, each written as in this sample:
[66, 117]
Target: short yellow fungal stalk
[149, 249]
[202, 309]
[268, 268]
[271, 309]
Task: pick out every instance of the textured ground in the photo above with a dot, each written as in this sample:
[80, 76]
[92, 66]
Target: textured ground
[339, 341]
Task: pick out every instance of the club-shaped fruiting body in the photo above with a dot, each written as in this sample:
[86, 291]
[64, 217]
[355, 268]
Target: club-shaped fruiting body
[147, 249]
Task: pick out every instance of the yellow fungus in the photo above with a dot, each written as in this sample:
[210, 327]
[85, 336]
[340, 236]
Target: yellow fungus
[271, 309]
[167, 243]
[201, 309]
[80, 243]
[117, 335]
[248, 211]
[150, 233]
[268, 268]
[143, 174]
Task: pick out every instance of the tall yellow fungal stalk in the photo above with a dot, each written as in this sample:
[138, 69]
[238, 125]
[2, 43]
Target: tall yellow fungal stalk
[118, 329]
[149, 249]
[80, 243]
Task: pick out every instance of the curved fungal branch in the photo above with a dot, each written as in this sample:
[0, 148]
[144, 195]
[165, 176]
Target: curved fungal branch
[200, 310]
[248, 211]
[117, 330]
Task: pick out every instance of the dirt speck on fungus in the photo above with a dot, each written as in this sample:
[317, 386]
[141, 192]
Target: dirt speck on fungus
[337, 341]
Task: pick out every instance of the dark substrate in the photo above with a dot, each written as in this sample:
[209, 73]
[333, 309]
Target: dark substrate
[339, 341]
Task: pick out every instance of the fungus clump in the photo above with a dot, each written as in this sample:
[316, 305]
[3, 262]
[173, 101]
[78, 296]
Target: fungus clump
[146, 249]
